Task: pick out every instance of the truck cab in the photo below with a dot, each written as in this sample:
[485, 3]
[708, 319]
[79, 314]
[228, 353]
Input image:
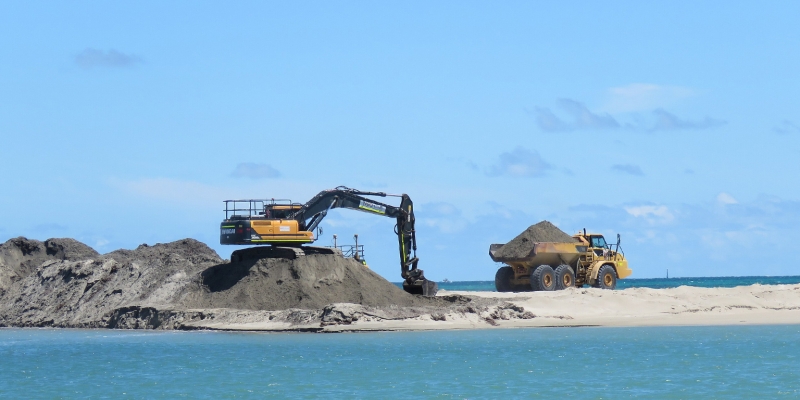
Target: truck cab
[598, 241]
[598, 244]
[594, 241]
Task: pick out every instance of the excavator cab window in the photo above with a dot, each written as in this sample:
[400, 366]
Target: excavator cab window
[276, 213]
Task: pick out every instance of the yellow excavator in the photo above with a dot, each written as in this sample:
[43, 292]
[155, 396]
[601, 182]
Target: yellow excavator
[285, 226]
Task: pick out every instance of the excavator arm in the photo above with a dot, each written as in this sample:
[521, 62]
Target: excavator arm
[311, 214]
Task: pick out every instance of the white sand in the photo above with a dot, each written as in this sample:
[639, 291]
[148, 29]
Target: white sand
[756, 304]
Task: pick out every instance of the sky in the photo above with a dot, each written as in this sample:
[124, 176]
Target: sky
[675, 124]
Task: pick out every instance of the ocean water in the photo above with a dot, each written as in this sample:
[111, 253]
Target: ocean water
[654, 283]
[652, 362]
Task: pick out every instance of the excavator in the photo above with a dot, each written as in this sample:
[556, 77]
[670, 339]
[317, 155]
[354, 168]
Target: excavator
[289, 227]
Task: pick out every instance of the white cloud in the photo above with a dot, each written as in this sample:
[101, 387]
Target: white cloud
[644, 97]
[255, 171]
[196, 194]
[653, 214]
[519, 163]
[667, 121]
[628, 169]
[446, 225]
[724, 198]
[90, 58]
[549, 122]
[786, 127]
[726, 245]
[582, 118]
[443, 216]
[173, 190]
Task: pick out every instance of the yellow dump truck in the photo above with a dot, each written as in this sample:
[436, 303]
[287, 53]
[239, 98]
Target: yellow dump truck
[588, 260]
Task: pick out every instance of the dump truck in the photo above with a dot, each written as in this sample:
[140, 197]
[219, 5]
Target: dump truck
[588, 260]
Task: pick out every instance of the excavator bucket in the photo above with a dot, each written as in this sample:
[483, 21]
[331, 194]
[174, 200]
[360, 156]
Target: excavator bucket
[421, 286]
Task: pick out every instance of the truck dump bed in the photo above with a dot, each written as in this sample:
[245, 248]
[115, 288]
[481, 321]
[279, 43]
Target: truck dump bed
[550, 253]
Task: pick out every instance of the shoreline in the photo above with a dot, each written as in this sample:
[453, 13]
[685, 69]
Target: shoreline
[463, 310]
[184, 285]
[634, 307]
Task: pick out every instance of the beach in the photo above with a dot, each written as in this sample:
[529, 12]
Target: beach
[184, 285]
[575, 307]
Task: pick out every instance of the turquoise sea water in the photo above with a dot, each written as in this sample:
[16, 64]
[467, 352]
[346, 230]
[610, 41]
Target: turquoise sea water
[655, 283]
[652, 362]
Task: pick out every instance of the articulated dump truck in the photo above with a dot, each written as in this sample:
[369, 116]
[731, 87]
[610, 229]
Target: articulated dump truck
[587, 260]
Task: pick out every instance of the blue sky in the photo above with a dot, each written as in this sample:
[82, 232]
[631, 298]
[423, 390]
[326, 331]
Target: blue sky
[675, 124]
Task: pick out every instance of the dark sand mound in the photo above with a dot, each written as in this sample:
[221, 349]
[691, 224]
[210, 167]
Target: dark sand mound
[85, 293]
[309, 282]
[21, 256]
[176, 277]
[522, 245]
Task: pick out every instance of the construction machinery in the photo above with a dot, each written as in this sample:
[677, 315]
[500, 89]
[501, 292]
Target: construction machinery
[588, 260]
[287, 228]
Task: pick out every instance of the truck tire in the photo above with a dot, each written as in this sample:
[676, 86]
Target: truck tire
[606, 278]
[543, 278]
[502, 279]
[565, 277]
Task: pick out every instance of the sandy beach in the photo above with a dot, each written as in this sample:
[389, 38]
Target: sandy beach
[184, 285]
[756, 304]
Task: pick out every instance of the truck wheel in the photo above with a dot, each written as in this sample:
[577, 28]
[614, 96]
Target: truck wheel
[543, 278]
[606, 278]
[564, 277]
[502, 279]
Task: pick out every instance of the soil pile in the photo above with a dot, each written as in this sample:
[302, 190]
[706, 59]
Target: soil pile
[85, 293]
[64, 283]
[522, 245]
[20, 256]
[309, 282]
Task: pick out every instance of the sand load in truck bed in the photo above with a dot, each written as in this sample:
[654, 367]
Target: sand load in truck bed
[522, 245]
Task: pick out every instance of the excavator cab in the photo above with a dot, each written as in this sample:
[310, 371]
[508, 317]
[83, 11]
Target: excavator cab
[260, 221]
